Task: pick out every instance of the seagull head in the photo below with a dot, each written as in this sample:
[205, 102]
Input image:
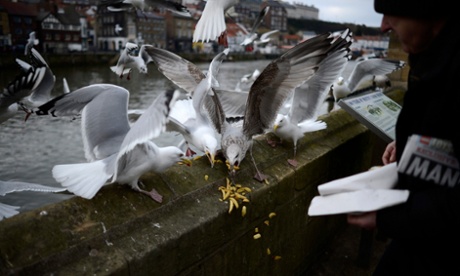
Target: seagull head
[234, 155]
[143, 69]
[210, 148]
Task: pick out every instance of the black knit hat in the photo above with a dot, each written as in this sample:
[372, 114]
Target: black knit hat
[414, 8]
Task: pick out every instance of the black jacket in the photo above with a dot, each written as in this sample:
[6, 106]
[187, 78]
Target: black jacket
[425, 231]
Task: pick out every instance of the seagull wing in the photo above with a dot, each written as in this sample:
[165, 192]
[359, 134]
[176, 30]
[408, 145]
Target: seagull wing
[309, 97]
[180, 71]
[42, 91]
[369, 67]
[281, 77]
[104, 109]
[7, 187]
[149, 125]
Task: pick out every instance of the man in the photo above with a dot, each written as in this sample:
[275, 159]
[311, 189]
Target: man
[425, 230]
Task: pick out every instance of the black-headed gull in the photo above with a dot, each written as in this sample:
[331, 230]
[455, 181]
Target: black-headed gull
[30, 88]
[268, 93]
[116, 151]
[126, 62]
[191, 117]
[364, 71]
[7, 187]
[308, 98]
[211, 24]
[143, 5]
[41, 93]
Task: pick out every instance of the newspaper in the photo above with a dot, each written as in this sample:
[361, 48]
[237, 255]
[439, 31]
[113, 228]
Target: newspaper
[430, 159]
[427, 158]
[376, 111]
[363, 192]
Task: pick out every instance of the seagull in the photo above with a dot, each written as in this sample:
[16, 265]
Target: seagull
[31, 41]
[252, 35]
[265, 37]
[116, 151]
[247, 79]
[190, 116]
[7, 187]
[143, 5]
[211, 24]
[118, 29]
[42, 91]
[269, 91]
[30, 88]
[126, 62]
[363, 71]
[308, 98]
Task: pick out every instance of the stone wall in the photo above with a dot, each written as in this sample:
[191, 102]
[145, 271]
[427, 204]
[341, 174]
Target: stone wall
[121, 232]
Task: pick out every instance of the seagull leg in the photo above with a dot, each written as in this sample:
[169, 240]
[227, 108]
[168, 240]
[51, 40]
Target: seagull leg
[189, 152]
[222, 39]
[152, 194]
[292, 161]
[26, 110]
[259, 176]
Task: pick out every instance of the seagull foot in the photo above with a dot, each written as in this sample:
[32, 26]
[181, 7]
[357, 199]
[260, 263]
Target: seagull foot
[189, 152]
[292, 162]
[260, 177]
[273, 143]
[154, 195]
[222, 39]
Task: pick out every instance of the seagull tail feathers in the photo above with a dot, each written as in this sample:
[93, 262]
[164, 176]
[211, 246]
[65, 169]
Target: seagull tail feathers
[211, 23]
[83, 179]
[310, 125]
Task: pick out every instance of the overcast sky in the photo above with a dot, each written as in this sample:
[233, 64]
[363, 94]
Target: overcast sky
[345, 11]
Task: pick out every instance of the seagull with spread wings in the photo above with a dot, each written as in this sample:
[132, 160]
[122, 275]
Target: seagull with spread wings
[116, 151]
[363, 73]
[307, 100]
[191, 117]
[126, 62]
[268, 93]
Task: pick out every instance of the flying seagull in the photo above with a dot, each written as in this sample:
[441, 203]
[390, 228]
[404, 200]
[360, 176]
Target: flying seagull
[126, 62]
[143, 5]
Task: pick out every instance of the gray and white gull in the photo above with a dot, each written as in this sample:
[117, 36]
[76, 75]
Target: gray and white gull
[270, 90]
[191, 116]
[308, 98]
[116, 151]
[360, 78]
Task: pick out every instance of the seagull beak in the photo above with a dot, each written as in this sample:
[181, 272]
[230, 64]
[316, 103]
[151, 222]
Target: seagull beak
[275, 127]
[185, 161]
[211, 158]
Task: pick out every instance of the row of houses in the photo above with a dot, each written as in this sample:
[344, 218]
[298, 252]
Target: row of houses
[64, 26]
[85, 25]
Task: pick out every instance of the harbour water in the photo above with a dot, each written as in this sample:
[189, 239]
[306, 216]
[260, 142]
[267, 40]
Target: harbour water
[29, 150]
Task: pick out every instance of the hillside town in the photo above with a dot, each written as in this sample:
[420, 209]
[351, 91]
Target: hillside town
[65, 26]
